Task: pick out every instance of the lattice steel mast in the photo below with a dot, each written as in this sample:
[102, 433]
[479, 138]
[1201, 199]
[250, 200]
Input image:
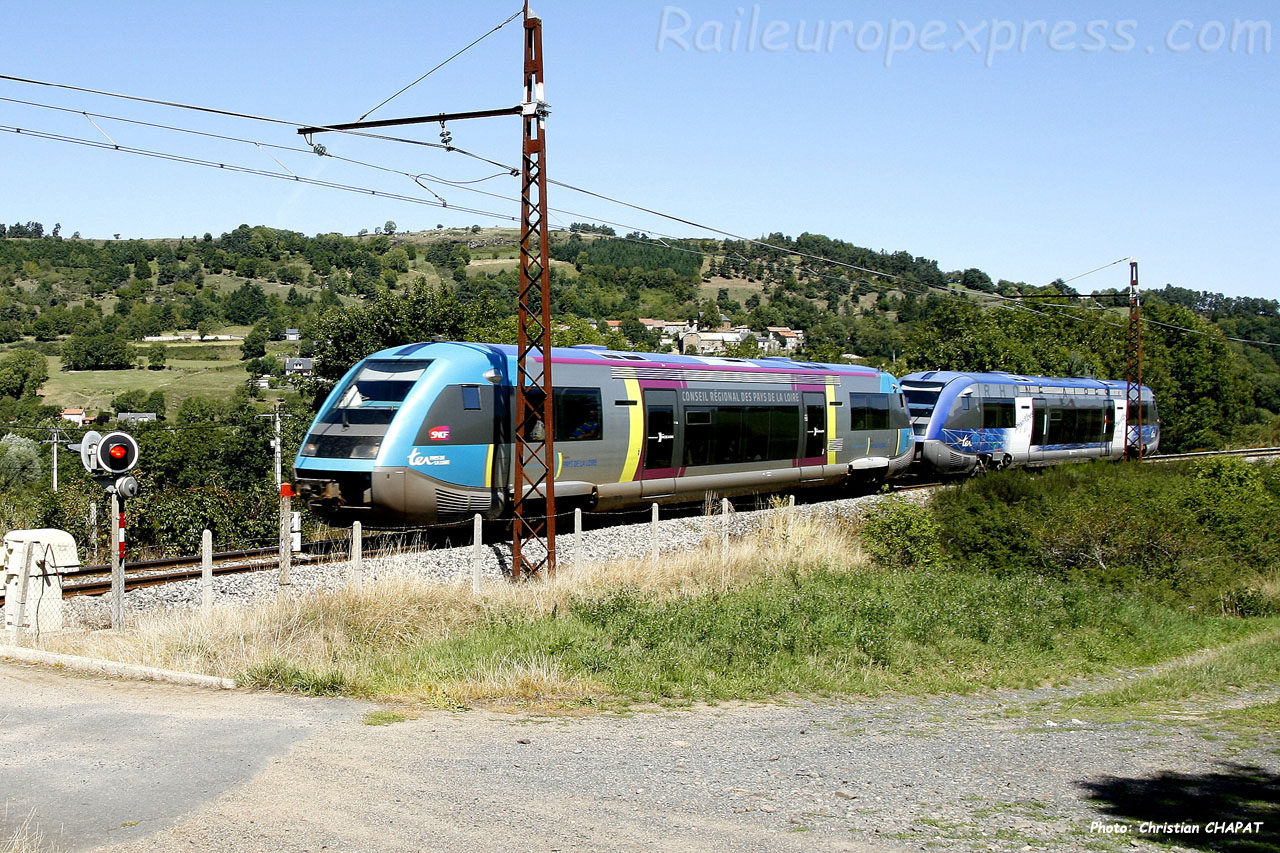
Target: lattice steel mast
[533, 502]
[534, 475]
[1133, 349]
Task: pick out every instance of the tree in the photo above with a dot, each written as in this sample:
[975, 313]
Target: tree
[246, 305]
[343, 337]
[157, 355]
[22, 372]
[104, 351]
[255, 343]
[389, 228]
[19, 460]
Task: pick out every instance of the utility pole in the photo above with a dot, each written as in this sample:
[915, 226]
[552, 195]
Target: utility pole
[276, 446]
[55, 436]
[1133, 350]
[534, 520]
[533, 481]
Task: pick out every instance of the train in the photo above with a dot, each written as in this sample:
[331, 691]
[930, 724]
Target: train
[422, 433]
[971, 422]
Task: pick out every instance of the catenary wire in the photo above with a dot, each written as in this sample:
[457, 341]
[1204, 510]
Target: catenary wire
[178, 158]
[441, 65]
[506, 167]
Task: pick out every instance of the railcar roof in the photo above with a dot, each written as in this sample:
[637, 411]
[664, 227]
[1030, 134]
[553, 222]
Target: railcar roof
[595, 354]
[946, 376]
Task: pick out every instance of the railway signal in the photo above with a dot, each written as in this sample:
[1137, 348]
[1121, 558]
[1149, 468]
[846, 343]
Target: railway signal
[109, 455]
[109, 458]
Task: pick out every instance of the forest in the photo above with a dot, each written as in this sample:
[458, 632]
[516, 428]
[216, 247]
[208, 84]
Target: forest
[88, 307]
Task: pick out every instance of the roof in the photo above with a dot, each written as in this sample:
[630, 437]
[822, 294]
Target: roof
[1000, 378]
[596, 354]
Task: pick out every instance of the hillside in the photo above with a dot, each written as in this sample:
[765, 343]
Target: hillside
[89, 306]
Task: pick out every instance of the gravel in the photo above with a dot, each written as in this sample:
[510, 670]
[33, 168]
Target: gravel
[456, 565]
[994, 772]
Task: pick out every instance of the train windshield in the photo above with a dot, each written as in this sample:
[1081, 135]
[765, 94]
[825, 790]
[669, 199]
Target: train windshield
[376, 391]
[921, 398]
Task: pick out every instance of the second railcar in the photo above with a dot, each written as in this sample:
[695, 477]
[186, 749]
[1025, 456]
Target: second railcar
[422, 433]
[968, 421]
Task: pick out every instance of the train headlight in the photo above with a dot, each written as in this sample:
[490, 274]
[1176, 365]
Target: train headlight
[366, 451]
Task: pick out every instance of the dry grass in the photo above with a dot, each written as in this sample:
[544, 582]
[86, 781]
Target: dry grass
[349, 631]
[26, 838]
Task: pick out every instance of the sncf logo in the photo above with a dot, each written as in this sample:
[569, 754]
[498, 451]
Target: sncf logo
[440, 433]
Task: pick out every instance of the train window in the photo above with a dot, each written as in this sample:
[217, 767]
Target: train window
[964, 414]
[1074, 422]
[729, 435]
[868, 411]
[899, 418]
[471, 397]
[577, 414]
[374, 394]
[382, 381]
[921, 398]
[998, 413]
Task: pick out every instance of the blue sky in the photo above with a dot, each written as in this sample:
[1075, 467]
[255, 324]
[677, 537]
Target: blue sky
[1032, 140]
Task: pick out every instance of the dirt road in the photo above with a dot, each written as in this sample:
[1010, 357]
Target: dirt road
[136, 767]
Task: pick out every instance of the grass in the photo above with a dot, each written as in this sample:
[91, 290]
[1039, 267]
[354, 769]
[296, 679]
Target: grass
[27, 837]
[1219, 673]
[195, 368]
[93, 390]
[794, 610]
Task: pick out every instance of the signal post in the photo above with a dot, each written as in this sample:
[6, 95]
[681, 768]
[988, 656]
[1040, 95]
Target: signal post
[108, 459]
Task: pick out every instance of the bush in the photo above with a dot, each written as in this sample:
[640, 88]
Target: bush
[901, 535]
[1185, 534]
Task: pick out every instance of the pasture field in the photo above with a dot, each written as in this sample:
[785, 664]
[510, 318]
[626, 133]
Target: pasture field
[210, 368]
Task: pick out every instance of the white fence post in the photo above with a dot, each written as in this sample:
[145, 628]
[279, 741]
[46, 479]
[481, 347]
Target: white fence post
[577, 536]
[286, 537]
[477, 552]
[357, 555]
[724, 528]
[653, 531]
[206, 571]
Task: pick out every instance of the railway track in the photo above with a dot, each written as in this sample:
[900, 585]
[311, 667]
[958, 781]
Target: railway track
[1248, 453]
[96, 579]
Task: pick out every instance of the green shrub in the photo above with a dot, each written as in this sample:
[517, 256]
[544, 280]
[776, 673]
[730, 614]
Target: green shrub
[1185, 534]
[897, 534]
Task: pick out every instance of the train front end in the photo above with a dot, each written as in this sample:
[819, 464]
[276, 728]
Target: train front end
[390, 447]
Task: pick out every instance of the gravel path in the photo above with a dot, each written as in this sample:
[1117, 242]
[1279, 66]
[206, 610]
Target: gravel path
[984, 773]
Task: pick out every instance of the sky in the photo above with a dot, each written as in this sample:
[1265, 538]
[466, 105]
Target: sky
[1031, 140]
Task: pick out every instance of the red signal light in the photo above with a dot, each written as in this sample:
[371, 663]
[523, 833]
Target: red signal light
[118, 451]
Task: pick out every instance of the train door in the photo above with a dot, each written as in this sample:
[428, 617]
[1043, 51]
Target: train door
[1118, 427]
[1039, 429]
[814, 451]
[658, 468]
[1019, 446]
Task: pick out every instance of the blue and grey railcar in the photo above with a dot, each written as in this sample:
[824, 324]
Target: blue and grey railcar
[422, 433]
[964, 422]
